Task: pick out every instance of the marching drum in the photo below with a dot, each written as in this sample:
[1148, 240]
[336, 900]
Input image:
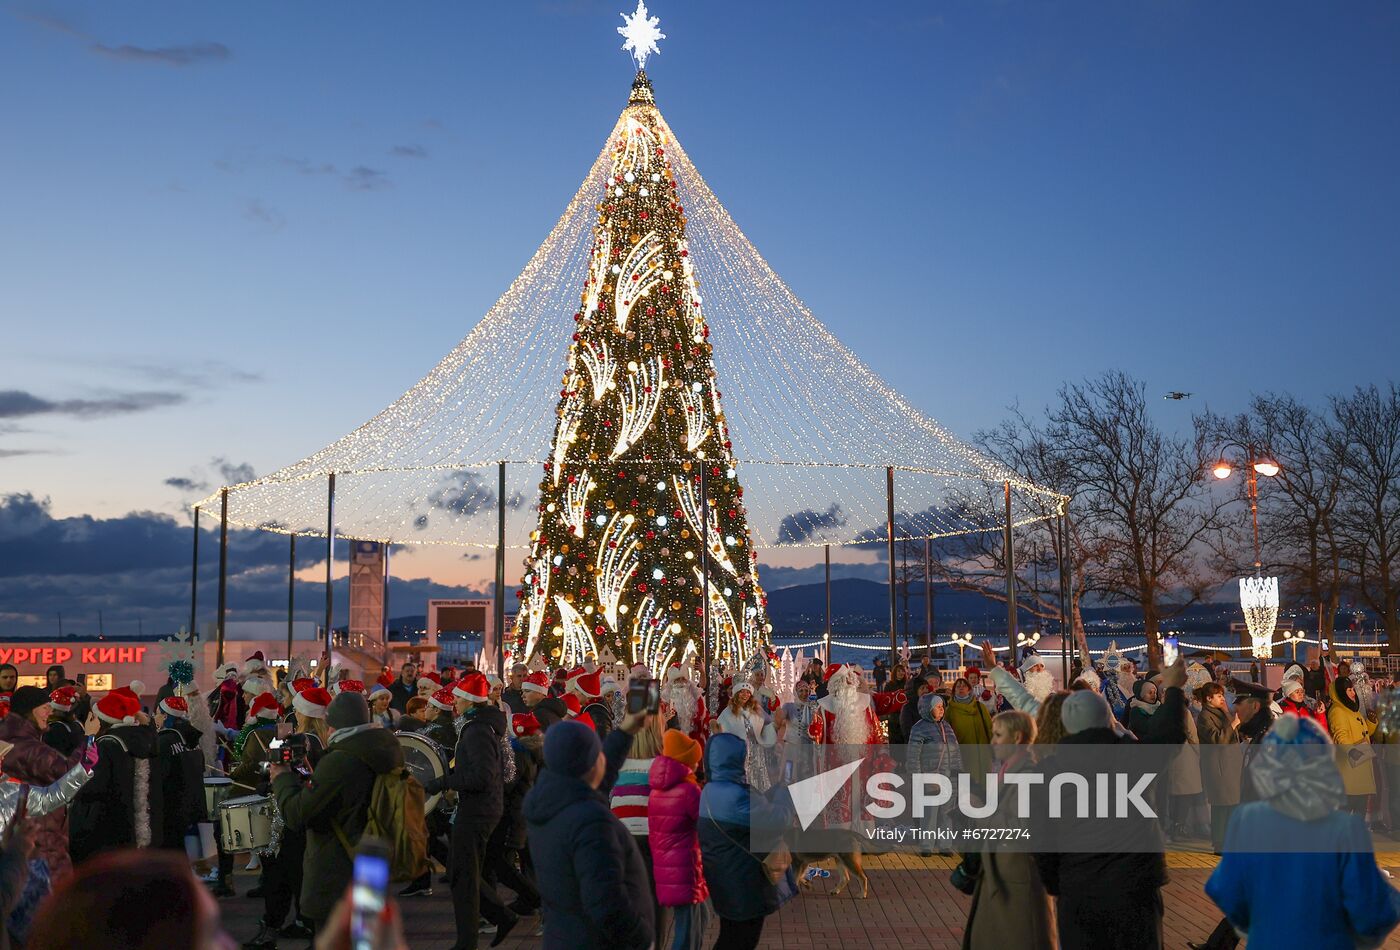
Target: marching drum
[246, 823]
[426, 760]
[216, 789]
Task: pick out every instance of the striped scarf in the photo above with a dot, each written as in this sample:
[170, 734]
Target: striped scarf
[629, 795]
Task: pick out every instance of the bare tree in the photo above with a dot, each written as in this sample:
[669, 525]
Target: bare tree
[1298, 506]
[1143, 507]
[1366, 439]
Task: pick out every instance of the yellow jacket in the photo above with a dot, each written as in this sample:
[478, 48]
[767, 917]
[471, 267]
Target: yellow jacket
[1352, 733]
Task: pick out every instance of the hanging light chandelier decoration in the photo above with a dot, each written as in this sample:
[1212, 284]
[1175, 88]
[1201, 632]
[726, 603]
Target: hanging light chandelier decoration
[1259, 598]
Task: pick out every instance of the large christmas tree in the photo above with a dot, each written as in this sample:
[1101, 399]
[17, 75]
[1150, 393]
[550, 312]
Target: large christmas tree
[618, 561]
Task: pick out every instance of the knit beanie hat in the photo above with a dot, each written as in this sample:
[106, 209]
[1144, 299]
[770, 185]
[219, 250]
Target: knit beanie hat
[1083, 709]
[571, 748]
[679, 746]
[26, 699]
[346, 710]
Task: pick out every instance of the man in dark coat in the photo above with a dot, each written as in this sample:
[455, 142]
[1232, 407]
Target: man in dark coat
[513, 695]
[404, 688]
[336, 798]
[507, 842]
[181, 773]
[592, 881]
[1109, 887]
[477, 779]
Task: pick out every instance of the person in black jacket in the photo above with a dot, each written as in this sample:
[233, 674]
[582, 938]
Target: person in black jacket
[404, 688]
[181, 774]
[592, 880]
[120, 806]
[507, 842]
[440, 730]
[64, 731]
[1109, 887]
[477, 779]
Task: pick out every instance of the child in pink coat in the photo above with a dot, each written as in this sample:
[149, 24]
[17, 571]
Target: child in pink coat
[673, 809]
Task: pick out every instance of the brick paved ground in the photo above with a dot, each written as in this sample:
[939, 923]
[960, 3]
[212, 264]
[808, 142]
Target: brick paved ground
[911, 905]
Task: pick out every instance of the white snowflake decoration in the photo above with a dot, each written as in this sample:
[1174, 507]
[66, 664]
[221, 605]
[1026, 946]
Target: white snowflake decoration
[641, 34]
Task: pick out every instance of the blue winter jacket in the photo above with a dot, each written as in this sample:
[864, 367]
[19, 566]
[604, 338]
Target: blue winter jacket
[1326, 893]
[592, 880]
[729, 812]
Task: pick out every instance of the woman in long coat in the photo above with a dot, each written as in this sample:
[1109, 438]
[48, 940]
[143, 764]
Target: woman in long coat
[1222, 761]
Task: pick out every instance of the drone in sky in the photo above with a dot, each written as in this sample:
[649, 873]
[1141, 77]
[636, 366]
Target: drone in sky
[1176, 395]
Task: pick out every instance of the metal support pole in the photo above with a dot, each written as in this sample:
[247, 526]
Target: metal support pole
[194, 580]
[223, 574]
[928, 598]
[827, 636]
[708, 657]
[889, 545]
[385, 659]
[330, 564]
[500, 605]
[291, 597]
[1010, 580]
[1065, 623]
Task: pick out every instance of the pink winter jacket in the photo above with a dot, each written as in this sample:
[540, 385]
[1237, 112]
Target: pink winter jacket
[673, 809]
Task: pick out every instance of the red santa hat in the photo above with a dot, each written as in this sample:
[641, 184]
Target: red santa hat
[63, 699]
[639, 671]
[586, 719]
[473, 688]
[118, 707]
[349, 686]
[312, 702]
[264, 707]
[257, 663]
[972, 671]
[573, 705]
[429, 679]
[175, 706]
[303, 683]
[675, 674]
[524, 724]
[443, 699]
[587, 685]
[386, 679]
[536, 682]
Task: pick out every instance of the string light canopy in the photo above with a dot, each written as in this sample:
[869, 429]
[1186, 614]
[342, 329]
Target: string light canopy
[808, 429]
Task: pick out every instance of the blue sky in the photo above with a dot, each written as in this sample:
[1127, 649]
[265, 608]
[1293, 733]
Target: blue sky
[233, 232]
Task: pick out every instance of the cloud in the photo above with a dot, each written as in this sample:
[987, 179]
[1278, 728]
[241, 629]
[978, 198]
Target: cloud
[200, 374]
[17, 404]
[305, 167]
[800, 526]
[409, 151]
[466, 494]
[776, 578]
[17, 453]
[267, 218]
[233, 474]
[136, 568]
[185, 55]
[363, 178]
[186, 484]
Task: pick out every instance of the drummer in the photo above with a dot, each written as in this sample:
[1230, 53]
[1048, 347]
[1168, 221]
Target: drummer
[442, 731]
[441, 728]
[250, 747]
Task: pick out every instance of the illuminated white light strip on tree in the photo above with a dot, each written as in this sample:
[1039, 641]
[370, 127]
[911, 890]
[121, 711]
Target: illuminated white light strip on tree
[578, 639]
[688, 497]
[697, 427]
[617, 562]
[637, 276]
[723, 628]
[537, 586]
[570, 418]
[602, 368]
[575, 513]
[641, 394]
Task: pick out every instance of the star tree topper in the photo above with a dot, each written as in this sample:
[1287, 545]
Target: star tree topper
[641, 34]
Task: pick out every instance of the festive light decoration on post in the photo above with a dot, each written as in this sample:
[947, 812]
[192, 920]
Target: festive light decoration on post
[1259, 599]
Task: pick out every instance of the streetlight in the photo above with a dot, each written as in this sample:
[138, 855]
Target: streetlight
[963, 640]
[1258, 594]
[1293, 638]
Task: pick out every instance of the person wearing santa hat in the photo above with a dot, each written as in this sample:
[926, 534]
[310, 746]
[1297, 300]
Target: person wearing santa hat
[122, 806]
[428, 683]
[250, 747]
[181, 772]
[507, 858]
[534, 689]
[588, 687]
[441, 728]
[63, 731]
[478, 778]
[380, 710]
[685, 702]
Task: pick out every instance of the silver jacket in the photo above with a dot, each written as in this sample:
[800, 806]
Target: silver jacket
[42, 798]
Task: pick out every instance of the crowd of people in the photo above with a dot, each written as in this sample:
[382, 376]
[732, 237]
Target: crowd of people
[608, 828]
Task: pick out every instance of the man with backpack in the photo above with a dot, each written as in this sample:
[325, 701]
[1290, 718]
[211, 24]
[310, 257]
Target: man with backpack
[334, 807]
[478, 779]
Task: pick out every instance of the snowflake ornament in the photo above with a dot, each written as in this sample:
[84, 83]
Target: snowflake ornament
[641, 33]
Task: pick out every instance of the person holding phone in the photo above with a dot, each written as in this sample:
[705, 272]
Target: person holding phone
[32, 761]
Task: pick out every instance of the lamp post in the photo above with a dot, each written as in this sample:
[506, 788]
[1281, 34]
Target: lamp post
[1258, 594]
[1293, 638]
[963, 640]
